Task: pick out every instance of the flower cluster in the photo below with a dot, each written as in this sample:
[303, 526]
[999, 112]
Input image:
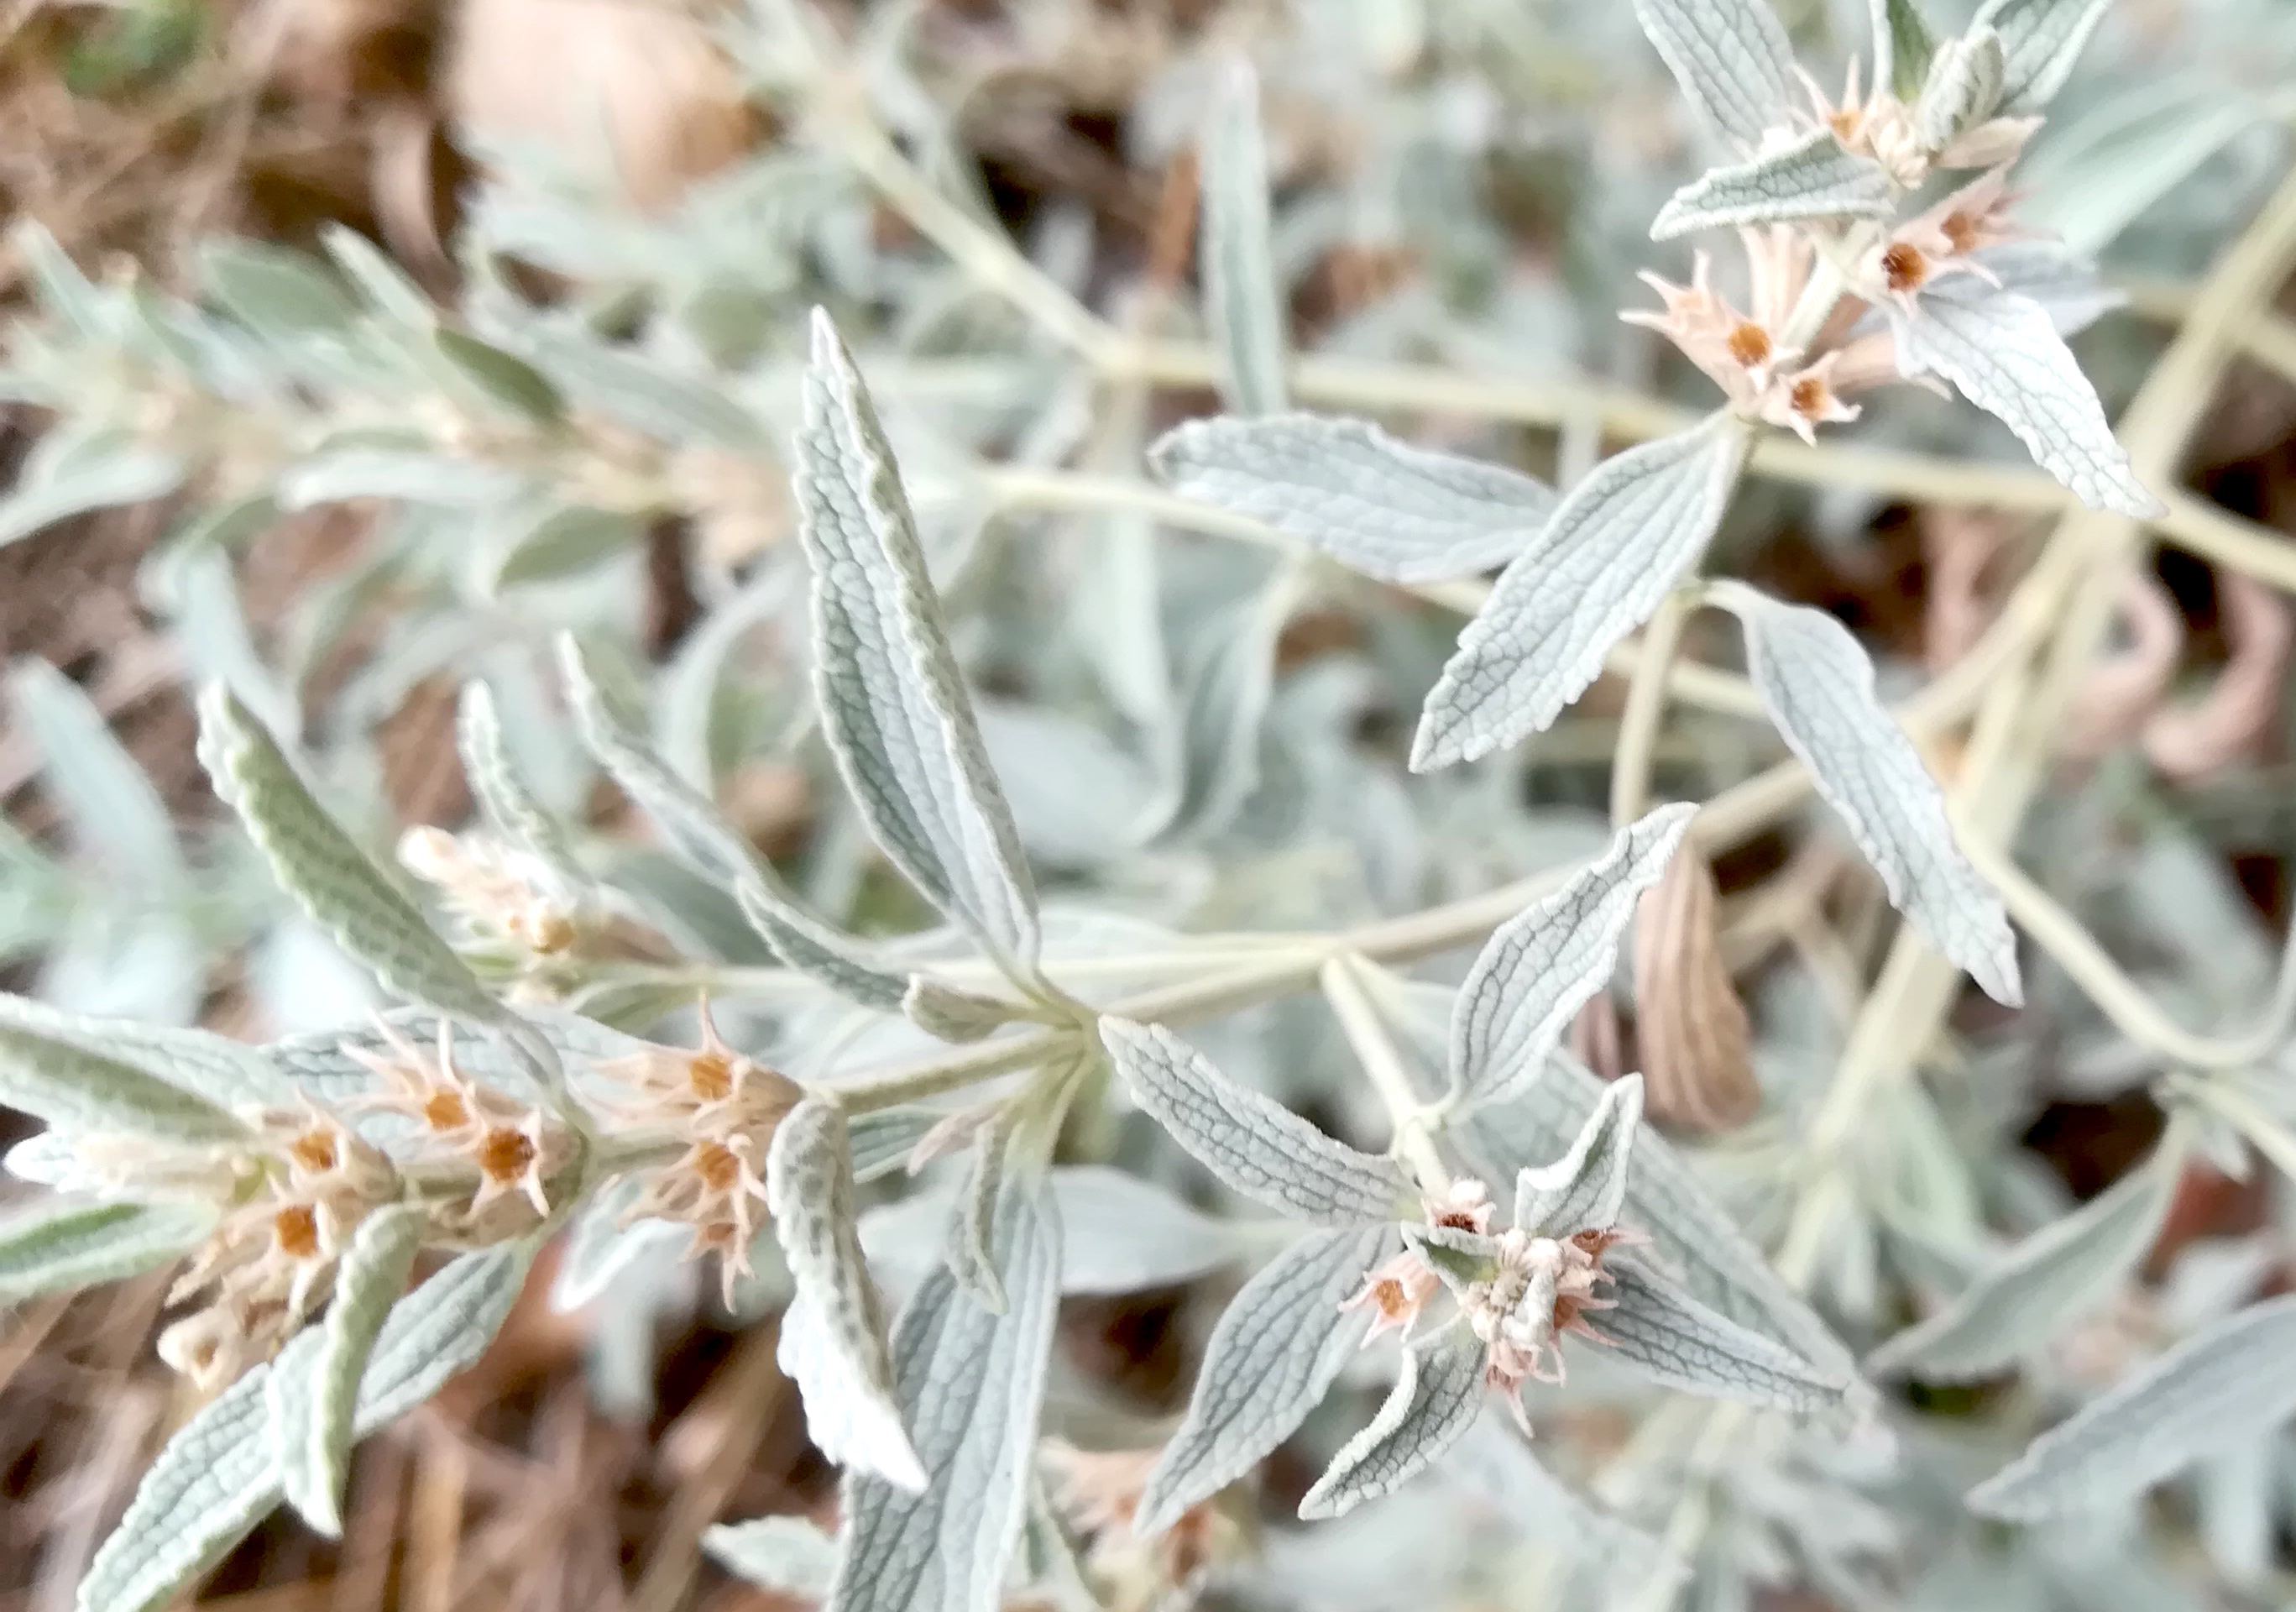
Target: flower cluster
[510, 908]
[1098, 1492]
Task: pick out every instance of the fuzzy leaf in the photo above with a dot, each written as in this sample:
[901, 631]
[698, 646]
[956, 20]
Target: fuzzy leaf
[1223, 688]
[503, 377]
[1689, 1230]
[1965, 87]
[2004, 354]
[2040, 41]
[2045, 1284]
[226, 1073]
[1278, 1345]
[600, 1246]
[1813, 177]
[1244, 303]
[545, 544]
[2062, 281]
[786, 1555]
[1620, 542]
[1120, 1234]
[438, 1331]
[645, 394]
[972, 1383]
[311, 1408]
[1437, 1397]
[1247, 1140]
[115, 812]
[1903, 47]
[1380, 506]
[881, 1140]
[948, 1013]
[1586, 1186]
[1819, 685]
[1670, 1337]
[1540, 967]
[275, 292]
[61, 1246]
[1733, 61]
[330, 877]
[126, 474]
[2212, 1393]
[892, 700]
[700, 833]
[509, 806]
[967, 1249]
[83, 1092]
[436, 481]
[834, 1348]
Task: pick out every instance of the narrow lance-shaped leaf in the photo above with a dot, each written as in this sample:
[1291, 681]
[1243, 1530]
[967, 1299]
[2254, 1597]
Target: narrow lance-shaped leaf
[700, 833]
[1121, 1234]
[129, 473]
[227, 1073]
[114, 809]
[81, 1093]
[510, 807]
[1586, 1187]
[1540, 967]
[1964, 89]
[2045, 1284]
[892, 700]
[972, 1382]
[2040, 41]
[1236, 254]
[1903, 45]
[1224, 688]
[63, 1246]
[329, 876]
[312, 1409]
[833, 1338]
[1437, 1397]
[1246, 1139]
[1733, 61]
[953, 1014]
[1815, 177]
[2210, 1394]
[1380, 506]
[972, 1227]
[1620, 541]
[1819, 685]
[2002, 351]
[1670, 1337]
[1272, 1357]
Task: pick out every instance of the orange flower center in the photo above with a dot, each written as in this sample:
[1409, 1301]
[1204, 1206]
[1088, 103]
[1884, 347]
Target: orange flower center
[1961, 229]
[717, 1166]
[445, 1110]
[505, 1154]
[1393, 1302]
[1809, 398]
[712, 1076]
[314, 1150]
[1847, 124]
[1905, 267]
[296, 1229]
[1750, 344]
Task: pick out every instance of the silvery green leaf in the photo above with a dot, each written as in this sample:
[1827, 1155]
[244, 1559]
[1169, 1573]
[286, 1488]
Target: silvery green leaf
[1224, 689]
[217, 1477]
[1540, 967]
[1380, 506]
[1586, 1186]
[330, 877]
[881, 1140]
[972, 1384]
[63, 292]
[1620, 542]
[341, 474]
[1278, 1345]
[1672, 1339]
[601, 1244]
[320, 1063]
[504, 377]
[2047, 1283]
[2040, 40]
[967, 1249]
[2211, 1393]
[892, 700]
[700, 833]
[60, 1246]
[1437, 1397]
[1903, 47]
[2115, 163]
[1813, 177]
[1732, 60]
[227, 1073]
[85, 1092]
[211, 1483]
[1819, 685]
[1965, 87]
[646, 395]
[950, 1015]
[1244, 302]
[560, 542]
[1249, 1140]
[376, 276]
[1497, 1467]
[1120, 1234]
[786, 1555]
[1689, 1230]
[126, 474]
[274, 291]
[834, 1346]
[2063, 283]
[2002, 351]
[311, 1402]
[509, 806]
[110, 800]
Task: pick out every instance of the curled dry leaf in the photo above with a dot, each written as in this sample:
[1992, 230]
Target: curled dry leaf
[2191, 741]
[1691, 1029]
[2126, 684]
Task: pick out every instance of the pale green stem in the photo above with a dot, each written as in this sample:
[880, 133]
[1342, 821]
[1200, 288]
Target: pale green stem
[1646, 709]
[2268, 1135]
[1375, 1049]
